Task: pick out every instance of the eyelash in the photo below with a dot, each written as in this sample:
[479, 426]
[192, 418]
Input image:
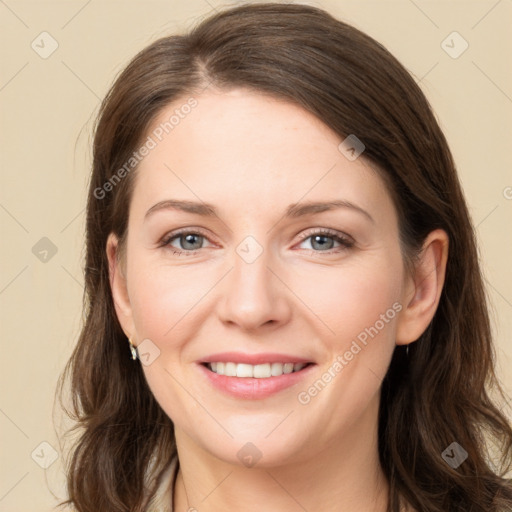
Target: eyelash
[344, 241]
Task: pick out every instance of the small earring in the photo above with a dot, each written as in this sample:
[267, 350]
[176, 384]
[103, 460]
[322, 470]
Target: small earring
[133, 349]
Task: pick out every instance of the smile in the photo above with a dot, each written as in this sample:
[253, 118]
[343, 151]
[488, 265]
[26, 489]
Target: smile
[256, 381]
[257, 371]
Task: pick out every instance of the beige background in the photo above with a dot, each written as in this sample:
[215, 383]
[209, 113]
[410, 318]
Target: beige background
[47, 107]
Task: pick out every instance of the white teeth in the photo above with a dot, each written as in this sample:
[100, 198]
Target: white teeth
[243, 370]
[230, 370]
[276, 369]
[258, 371]
[288, 368]
[262, 371]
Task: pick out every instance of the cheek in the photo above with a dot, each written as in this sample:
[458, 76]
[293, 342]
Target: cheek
[162, 299]
[350, 300]
[164, 303]
[362, 303]
[361, 306]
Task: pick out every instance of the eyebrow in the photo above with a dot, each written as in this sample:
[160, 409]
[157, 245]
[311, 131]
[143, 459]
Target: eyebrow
[293, 211]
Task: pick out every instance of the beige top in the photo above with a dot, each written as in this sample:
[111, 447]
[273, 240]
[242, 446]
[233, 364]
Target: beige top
[162, 501]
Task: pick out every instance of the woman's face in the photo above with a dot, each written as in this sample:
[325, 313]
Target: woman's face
[254, 240]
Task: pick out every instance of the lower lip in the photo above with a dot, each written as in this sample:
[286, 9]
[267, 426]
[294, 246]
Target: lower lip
[250, 388]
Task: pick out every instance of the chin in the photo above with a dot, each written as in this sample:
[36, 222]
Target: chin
[259, 445]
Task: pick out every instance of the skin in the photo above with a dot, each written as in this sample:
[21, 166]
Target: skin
[251, 156]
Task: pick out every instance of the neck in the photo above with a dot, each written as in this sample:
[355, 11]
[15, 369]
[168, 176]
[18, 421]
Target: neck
[344, 476]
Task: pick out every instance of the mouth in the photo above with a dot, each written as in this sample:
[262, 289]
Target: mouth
[256, 371]
[254, 377]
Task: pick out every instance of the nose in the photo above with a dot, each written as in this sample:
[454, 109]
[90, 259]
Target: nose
[254, 295]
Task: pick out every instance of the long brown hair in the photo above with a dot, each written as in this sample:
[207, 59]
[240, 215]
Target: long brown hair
[436, 394]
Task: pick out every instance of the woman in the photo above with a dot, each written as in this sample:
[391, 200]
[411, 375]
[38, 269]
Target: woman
[277, 237]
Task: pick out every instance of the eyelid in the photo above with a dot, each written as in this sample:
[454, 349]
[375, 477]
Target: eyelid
[345, 242]
[345, 239]
[325, 231]
[166, 239]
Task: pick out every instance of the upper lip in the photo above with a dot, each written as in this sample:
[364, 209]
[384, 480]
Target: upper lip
[253, 359]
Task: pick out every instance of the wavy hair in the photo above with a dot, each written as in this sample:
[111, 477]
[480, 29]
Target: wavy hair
[439, 392]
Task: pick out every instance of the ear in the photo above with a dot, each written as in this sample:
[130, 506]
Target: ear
[423, 289]
[118, 286]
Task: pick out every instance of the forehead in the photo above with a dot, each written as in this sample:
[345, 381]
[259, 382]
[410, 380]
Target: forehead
[253, 149]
